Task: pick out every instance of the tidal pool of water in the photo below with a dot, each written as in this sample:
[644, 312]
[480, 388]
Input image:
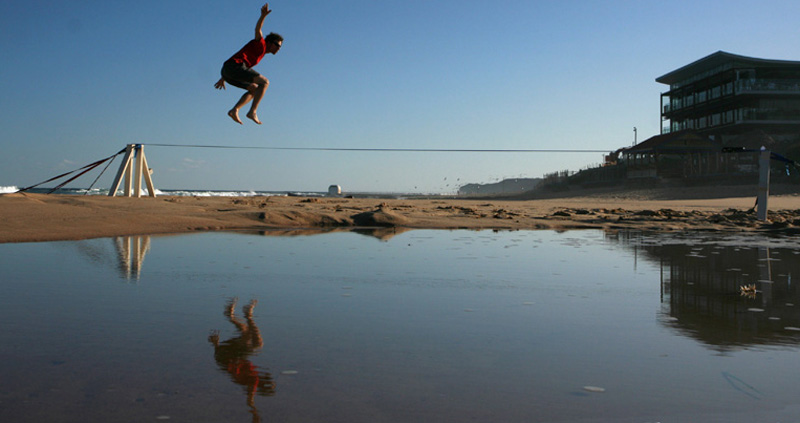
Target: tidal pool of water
[377, 326]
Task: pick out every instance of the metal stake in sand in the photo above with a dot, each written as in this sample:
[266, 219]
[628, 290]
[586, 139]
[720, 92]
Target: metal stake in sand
[763, 183]
[126, 171]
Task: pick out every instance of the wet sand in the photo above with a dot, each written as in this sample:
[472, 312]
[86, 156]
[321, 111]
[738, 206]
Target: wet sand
[39, 217]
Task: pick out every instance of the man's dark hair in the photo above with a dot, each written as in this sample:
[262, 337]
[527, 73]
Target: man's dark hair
[273, 38]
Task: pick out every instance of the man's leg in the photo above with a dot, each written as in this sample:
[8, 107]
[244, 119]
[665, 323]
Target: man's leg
[234, 113]
[261, 84]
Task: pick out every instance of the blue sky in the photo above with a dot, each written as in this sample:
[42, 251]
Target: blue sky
[83, 78]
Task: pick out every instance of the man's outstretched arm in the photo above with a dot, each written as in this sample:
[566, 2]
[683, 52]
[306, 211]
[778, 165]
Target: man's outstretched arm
[264, 12]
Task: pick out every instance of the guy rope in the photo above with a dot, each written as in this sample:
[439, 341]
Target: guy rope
[134, 163]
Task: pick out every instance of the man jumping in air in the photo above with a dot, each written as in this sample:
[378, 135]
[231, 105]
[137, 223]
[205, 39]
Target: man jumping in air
[238, 70]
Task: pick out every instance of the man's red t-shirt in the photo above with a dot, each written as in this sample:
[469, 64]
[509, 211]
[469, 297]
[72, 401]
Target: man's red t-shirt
[251, 53]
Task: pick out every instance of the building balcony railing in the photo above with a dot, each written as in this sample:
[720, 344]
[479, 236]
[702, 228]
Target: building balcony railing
[739, 116]
[744, 86]
[756, 115]
[768, 85]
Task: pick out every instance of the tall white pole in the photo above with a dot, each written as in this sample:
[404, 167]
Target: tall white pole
[763, 183]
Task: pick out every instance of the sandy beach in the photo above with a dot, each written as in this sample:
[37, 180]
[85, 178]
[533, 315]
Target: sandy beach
[39, 217]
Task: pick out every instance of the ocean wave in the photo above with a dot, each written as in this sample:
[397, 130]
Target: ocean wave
[202, 193]
[212, 193]
[175, 192]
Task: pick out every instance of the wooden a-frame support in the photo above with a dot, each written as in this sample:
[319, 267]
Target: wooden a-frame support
[134, 157]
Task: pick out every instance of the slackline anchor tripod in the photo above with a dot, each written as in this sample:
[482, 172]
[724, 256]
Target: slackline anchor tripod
[134, 158]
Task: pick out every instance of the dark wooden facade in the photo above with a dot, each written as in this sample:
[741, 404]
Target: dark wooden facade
[724, 95]
[675, 155]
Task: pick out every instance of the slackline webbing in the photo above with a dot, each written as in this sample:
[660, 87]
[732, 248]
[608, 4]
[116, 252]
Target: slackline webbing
[83, 170]
[411, 150]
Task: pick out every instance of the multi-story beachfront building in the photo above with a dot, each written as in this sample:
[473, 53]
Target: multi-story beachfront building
[724, 95]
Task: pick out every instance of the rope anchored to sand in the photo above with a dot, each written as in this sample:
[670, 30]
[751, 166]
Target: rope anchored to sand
[84, 170]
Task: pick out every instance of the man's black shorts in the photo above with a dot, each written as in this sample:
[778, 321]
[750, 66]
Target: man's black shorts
[238, 74]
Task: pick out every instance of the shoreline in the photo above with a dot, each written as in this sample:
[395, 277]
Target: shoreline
[40, 217]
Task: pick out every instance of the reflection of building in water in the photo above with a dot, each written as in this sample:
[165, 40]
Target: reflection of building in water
[131, 251]
[232, 355]
[701, 284]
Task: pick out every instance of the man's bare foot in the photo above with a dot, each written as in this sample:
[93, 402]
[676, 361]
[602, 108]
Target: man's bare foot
[230, 305]
[234, 114]
[248, 309]
[253, 117]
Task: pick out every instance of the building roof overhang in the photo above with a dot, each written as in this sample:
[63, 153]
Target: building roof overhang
[718, 59]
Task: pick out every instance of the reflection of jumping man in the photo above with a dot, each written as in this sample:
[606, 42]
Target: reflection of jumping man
[231, 355]
[238, 70]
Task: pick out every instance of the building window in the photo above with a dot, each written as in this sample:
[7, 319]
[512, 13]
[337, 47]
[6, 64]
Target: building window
[728, 89]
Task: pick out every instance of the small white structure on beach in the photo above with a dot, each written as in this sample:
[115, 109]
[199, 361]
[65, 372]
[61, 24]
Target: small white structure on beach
[334, 191]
